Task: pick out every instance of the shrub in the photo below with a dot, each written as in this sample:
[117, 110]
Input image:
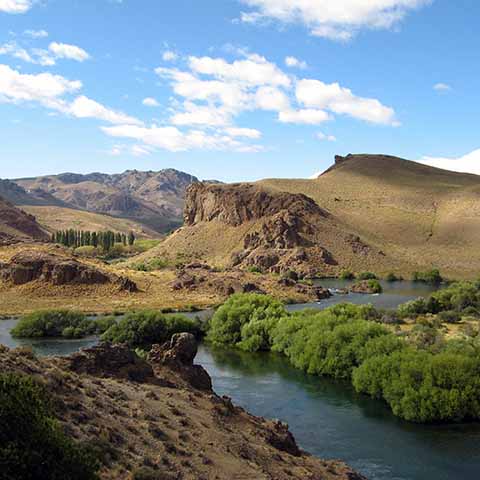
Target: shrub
[392, 277]
[32, 443]
[254, 269]
[245, 321]
[430, 276]
[51, 323]
[143, 329]
[367, 276]
[347, 275]
[374, 286]
[449, 316]
[413, 308]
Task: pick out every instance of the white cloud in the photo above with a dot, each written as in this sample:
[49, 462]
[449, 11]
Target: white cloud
[16, 6]
[150, 102]
[308, 116]
[340, 100]
[135, 150]
[36, 33]
[72, 52]
[169, 56]
[243, 132]
[15, 51]
[44, 88]
[335, 20]
[172, 139]
[294, 62]
[442, 87]
[254, 70]
[469, 163]
[84, 107]
[323, 136]
[271, 98]
[202, 115]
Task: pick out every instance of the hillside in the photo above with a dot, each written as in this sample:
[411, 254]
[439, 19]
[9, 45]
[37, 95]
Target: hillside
[152, 199]
[417, 215]
[16, 225]
[245, 226]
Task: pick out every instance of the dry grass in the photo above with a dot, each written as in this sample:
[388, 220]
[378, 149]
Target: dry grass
[60, 218]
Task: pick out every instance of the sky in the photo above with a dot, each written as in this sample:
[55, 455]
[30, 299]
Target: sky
[236, 90]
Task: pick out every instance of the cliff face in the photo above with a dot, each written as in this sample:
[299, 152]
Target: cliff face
[16, 225]
[160, 419]
[240, 203]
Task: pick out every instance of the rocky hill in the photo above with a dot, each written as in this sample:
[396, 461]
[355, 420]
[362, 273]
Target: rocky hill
[249, 227]
[152, 199]
[17, 225]
[421, 216]
[160, 418]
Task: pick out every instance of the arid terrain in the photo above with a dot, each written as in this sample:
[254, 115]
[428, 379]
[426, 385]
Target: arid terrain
[162, 417]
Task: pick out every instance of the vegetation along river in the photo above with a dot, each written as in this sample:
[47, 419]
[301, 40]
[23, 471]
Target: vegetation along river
[327, 417]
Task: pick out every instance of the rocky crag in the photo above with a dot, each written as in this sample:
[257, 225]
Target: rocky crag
[160, 418]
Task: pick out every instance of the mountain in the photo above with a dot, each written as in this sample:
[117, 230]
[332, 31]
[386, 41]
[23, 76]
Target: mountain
[419, 216]
[249, 227]
[366, 212]
[16, 225]
[152, 199]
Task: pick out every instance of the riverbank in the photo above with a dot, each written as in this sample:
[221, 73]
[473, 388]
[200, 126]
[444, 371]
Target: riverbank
[161, 417]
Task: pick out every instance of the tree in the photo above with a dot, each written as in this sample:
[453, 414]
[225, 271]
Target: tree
[131, 238]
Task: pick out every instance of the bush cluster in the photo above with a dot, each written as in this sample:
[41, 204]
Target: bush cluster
[32, 443]
[430, 276]
[60, 323]
[419, 382]
[145, 328]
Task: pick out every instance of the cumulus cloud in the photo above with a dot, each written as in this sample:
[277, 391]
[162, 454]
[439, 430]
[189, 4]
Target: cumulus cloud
[172, 139]
[150, 102]
[50, 91]
[469, 163]
[16, 6]
[340, 100]
[324, 137]
[72, 52]
[294, 62]
[243, 132]
[336, 20]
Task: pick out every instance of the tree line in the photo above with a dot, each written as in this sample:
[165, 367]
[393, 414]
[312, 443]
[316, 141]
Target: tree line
[83, 238]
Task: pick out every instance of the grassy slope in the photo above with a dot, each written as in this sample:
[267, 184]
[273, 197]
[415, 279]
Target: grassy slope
[59, 218]
[419, 214]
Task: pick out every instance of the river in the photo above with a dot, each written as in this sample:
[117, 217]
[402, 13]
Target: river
[327, 417]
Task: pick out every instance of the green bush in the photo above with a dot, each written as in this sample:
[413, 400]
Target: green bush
[143, 329]
[449, 316]
[366, 276]
[32, 443]
[392, 277]
[254, 269]
[51, 323]
[347, 275]
[245, 321]
[60, 323]
[430, 276]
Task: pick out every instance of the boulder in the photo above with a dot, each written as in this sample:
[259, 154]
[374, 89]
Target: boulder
[178, 354]
[107, 360]
[282, 439]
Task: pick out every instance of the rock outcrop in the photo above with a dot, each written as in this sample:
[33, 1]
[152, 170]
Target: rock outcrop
[28, 266]
[178, 355]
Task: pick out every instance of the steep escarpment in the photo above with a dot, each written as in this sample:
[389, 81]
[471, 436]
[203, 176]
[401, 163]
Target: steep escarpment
[248, 227]
[16, 225]
[159, 419]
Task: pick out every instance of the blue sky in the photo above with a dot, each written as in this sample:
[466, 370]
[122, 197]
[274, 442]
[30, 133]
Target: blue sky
[236, 89]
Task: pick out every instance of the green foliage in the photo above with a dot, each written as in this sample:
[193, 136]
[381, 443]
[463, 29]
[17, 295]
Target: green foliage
[245, 321]
[254, 269]
[347, 275]
[366, 276]
[430, 276]
[374, 286]
[143, 329]
[152, 265]
[32, 443]
[59, 323]
[449, 316]
[392, 277]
